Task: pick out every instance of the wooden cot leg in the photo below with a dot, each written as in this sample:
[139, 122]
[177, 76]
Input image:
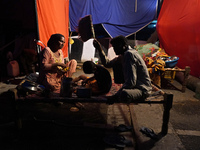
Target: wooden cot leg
[168, 100]
[186, 75]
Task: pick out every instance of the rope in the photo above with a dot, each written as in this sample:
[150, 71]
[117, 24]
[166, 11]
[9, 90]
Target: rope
[135, 5]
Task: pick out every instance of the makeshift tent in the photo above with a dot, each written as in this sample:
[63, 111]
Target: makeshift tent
[119, 17]
[177, 27]
[179, 32]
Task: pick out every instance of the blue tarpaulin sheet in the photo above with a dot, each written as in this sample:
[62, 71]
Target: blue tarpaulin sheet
[118, 17]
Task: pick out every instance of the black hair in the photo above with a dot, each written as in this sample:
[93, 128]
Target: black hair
[119, 39]
[89, 67]
[54, 38]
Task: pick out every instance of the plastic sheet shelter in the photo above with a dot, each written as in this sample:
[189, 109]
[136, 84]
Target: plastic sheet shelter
[118, 17]
[178, 30]
[53, 17]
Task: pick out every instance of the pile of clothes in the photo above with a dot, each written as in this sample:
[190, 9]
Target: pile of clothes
[153, 56]
[155, 59]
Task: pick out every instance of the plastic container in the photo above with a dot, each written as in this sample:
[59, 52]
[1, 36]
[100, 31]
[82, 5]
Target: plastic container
[172, 63]
[13, 68]
[95, 60]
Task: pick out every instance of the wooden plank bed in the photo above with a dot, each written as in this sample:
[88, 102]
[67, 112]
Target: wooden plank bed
[166, 100]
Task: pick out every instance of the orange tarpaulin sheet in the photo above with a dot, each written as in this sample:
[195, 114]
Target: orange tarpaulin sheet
[178, 30]
[53, 17]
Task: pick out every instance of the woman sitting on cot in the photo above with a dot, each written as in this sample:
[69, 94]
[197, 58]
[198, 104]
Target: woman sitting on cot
[52, 66]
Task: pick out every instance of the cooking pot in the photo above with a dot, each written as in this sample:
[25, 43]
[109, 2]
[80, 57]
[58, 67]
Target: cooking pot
[30, 86]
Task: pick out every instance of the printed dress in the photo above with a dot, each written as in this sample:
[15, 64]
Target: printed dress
[51, 79]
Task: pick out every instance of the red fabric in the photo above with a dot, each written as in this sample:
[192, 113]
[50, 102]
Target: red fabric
[178, 30]
[53, 17]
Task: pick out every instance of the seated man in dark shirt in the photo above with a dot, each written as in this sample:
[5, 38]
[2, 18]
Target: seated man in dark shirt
[100, 83]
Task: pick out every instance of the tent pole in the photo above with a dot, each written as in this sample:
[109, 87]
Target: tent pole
[37, 28]
[38, 47]
[36, 18]
[135, 38]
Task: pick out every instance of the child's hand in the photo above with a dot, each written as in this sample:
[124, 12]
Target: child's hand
[84, 82]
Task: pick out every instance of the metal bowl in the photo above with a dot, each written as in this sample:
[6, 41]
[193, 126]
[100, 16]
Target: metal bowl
[29, 86]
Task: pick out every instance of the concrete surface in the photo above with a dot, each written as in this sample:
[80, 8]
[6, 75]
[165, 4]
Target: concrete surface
[184, 130]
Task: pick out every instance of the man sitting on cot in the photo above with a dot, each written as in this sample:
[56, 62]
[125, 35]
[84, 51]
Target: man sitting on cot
[136, 79]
